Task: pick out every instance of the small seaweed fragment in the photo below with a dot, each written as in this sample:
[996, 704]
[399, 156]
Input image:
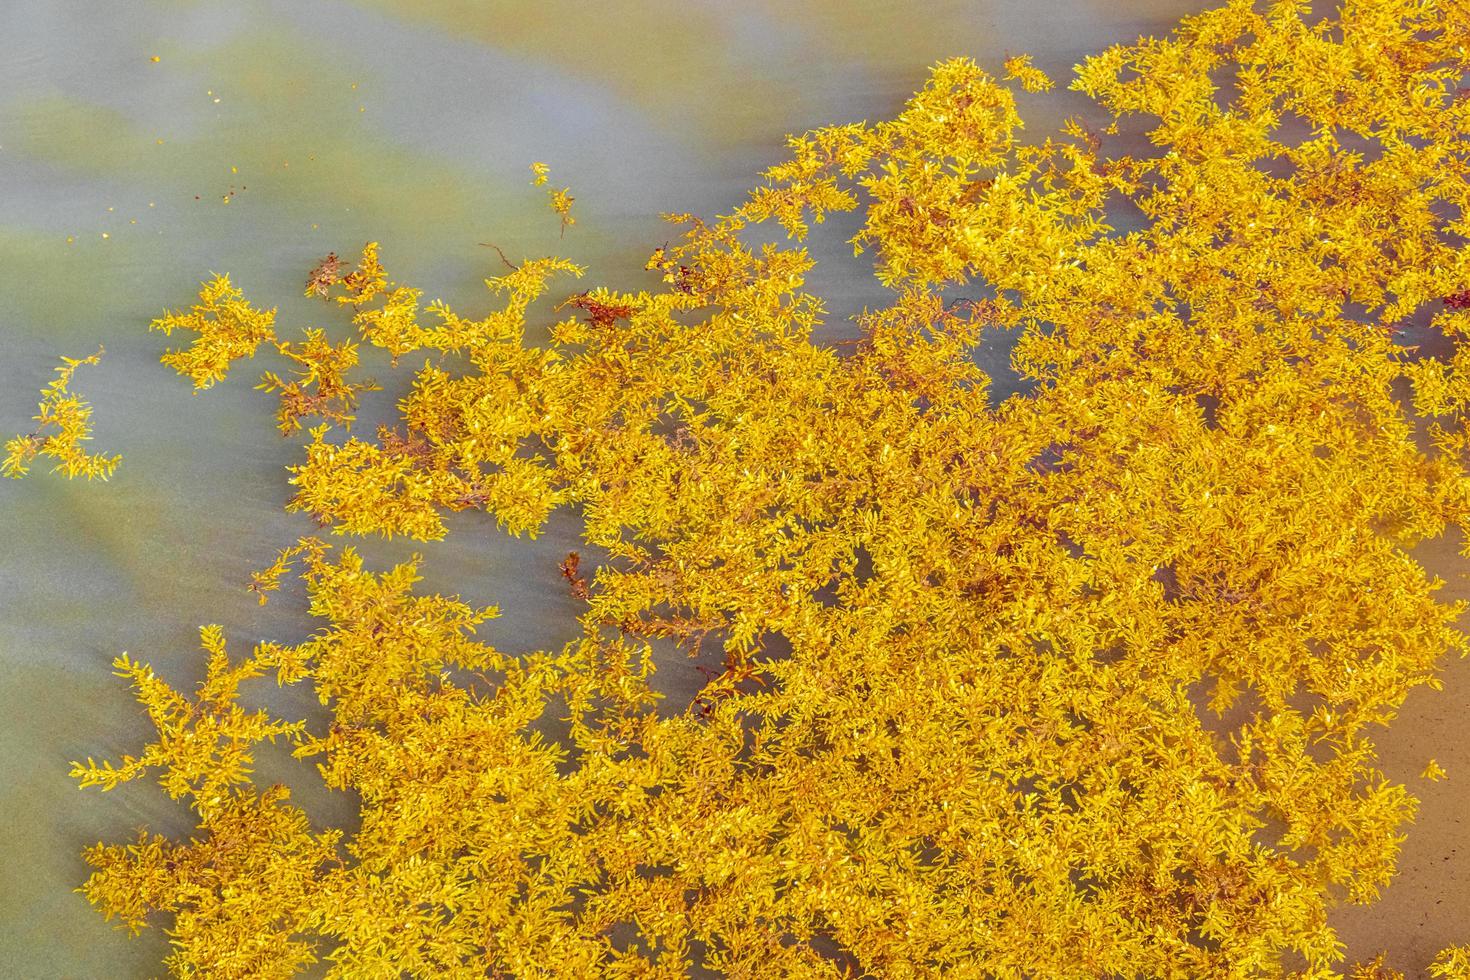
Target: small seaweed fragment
[1019, 68]
[64, 422]
[570, 571]
[561, 200]
[229, 328]
[325, 365]
[324, 275]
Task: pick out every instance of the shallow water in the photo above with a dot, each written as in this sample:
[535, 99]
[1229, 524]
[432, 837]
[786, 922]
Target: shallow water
[266, 135]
